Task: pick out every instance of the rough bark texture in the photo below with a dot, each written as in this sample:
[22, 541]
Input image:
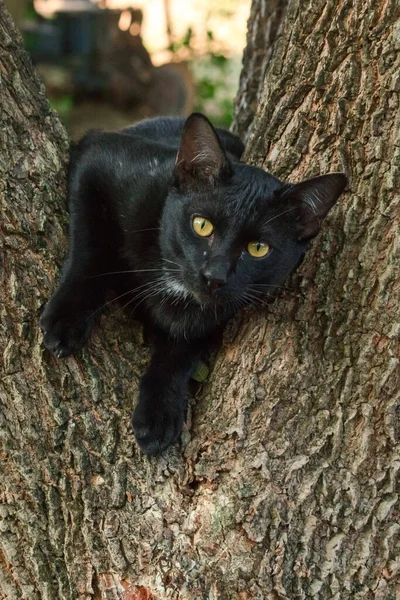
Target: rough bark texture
[285, 484]
[263, 28]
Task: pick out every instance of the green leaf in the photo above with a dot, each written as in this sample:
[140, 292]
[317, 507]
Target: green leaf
[206, 89]
[188, 37]
[219, 60]
[200, 372]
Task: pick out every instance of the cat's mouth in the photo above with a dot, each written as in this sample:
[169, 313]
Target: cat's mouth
[202, 297]
[181, 290]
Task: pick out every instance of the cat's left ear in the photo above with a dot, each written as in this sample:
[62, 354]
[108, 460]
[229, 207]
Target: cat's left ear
[201, 157]
[313, 198]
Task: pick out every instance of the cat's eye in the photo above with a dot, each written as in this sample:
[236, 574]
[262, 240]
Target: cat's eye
[202, 226]
[258, 249]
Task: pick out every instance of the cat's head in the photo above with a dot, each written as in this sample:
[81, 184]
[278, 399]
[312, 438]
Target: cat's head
[233, 231]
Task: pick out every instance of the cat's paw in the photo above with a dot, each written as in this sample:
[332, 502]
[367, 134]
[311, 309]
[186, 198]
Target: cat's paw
[156, 427]
[65, 331]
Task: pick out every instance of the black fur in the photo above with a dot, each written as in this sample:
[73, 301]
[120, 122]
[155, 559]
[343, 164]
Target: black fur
[132, 198]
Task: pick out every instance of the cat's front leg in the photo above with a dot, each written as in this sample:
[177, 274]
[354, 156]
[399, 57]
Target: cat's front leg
[68, 318]
[160, 411]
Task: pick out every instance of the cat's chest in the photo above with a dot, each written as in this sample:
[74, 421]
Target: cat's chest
[185, 319]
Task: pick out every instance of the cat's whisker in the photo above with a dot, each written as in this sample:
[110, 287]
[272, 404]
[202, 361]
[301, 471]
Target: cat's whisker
[166, 295]
[172, 262]
[147, 293]
[117, 298]
[270, 285]
[246, 298]
[288, 291]
[158, 290]
[176, 296]
[259, 301]
[140, 230]
[189, 301]
[251, 293]
[254, 300]
[146, 287]
[162, 269]
[262, 294]
[237, 303]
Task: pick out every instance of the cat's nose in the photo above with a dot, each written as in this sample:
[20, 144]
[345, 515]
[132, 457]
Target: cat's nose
[216, 276]
[213, 283]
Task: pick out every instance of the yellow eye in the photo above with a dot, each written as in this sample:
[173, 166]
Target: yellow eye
[258, 249]
[202, 226]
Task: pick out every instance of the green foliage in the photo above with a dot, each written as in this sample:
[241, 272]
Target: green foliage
[218, 60]
[215, 86]
[215, 74]
[175, 46]
[30, 12]
[62, 105]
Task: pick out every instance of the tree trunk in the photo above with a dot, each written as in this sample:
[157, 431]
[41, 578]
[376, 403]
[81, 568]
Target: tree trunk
[285, 484]
[263, 28]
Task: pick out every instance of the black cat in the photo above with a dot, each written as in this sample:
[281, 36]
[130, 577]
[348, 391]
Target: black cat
[164, 213]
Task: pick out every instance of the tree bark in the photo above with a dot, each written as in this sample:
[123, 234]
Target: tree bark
[263, 28]
[284, 486]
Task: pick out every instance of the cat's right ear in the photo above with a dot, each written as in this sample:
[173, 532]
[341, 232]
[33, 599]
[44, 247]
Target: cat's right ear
[201, 158]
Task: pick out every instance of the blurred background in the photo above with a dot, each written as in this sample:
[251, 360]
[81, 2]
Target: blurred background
[109, 63]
